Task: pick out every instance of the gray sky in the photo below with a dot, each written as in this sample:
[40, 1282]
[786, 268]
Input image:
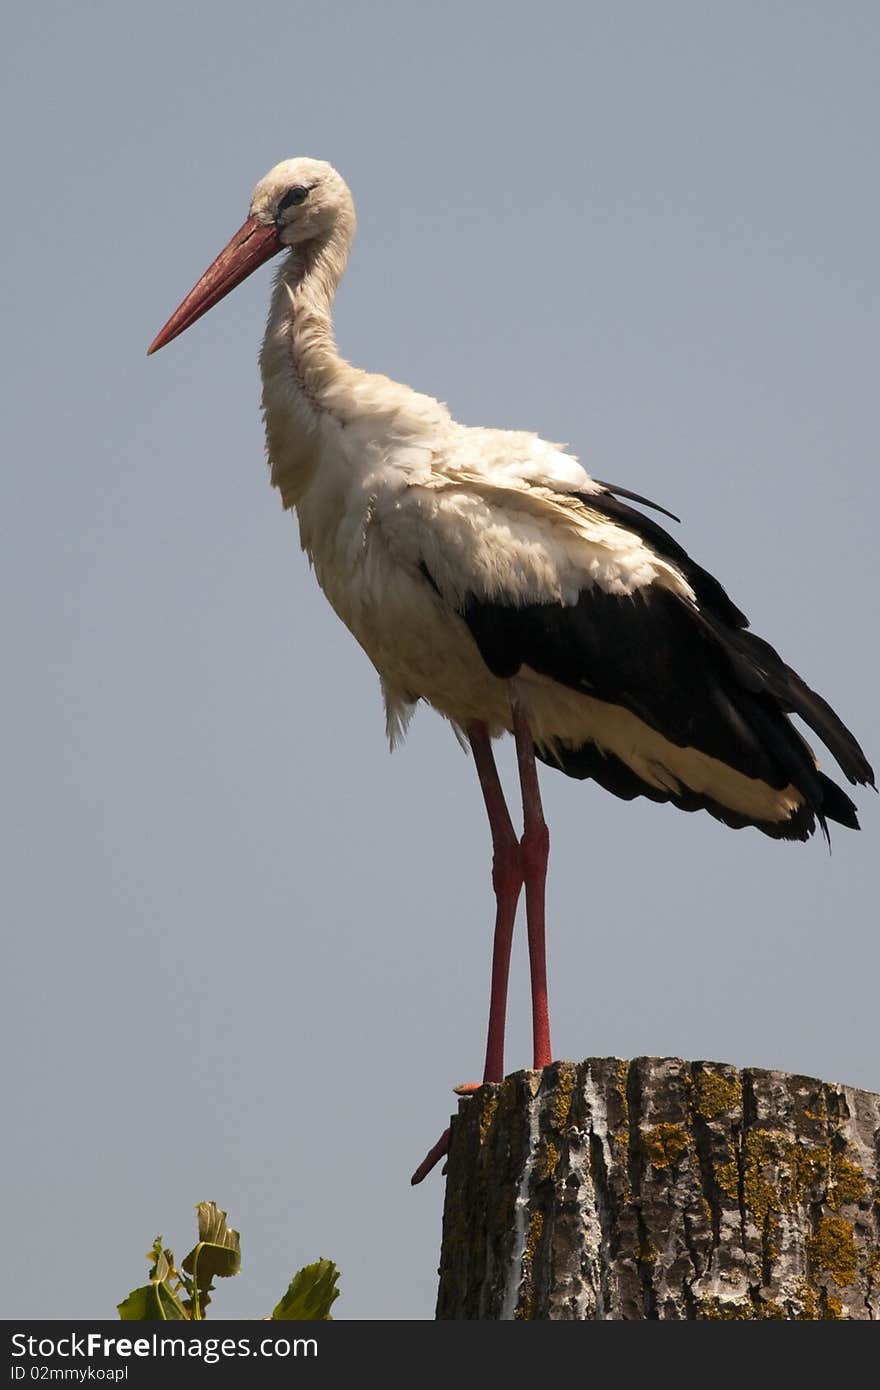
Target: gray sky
[248, 951]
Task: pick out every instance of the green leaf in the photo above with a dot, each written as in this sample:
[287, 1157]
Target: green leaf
[310, 1294]
[151, 1303]
[163, 1261]
[213, 1229]
[156, 1301]
[217, 1254]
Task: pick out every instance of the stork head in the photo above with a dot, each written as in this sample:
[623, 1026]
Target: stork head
[300, 201]
[305, 199]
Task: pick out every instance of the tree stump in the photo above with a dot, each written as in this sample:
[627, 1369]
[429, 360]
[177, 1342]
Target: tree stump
[660, 1188]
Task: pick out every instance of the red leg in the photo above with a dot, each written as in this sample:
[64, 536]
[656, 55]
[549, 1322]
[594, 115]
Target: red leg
[507, 880]
[535, 852]
[432, 1158]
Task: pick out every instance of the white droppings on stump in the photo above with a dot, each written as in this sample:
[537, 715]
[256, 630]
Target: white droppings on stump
[521, 1217]
[663, 1189]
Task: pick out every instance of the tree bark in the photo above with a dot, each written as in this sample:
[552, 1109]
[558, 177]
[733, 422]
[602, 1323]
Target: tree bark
[660, 1188]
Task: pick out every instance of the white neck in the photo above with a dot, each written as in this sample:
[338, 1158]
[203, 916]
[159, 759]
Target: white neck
[319, 409]
[310, 277]
[305, 382]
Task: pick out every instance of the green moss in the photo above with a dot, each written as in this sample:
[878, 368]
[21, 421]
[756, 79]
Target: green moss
[664, 1145]
[716, 1093]
[833, 1248]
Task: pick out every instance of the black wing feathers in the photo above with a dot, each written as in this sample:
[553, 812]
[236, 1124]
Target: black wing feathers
[704, 585]
[759, 667]
[614, 775]
[647, 653]
[692, 673]
[635, 497]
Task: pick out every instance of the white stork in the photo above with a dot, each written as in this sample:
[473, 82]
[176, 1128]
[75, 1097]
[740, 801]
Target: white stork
[485, 572]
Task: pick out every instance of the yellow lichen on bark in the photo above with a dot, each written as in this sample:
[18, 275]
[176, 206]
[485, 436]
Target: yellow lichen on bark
[833, 1249]
[526, 1305]
[664, 1145]
[846, 1182]
[551, 1158]
[562, 1103]
[487, 1115]
[716, 1093]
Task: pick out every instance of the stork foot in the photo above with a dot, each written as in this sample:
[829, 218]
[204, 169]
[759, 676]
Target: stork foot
[441, 1148]
[432, 1158]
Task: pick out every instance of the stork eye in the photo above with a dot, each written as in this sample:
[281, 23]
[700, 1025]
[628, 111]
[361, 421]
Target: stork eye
[293, 197]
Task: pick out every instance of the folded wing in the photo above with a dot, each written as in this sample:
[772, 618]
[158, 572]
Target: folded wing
[681, 703]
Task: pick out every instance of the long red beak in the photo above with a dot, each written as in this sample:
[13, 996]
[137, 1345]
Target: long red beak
[252, 244]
